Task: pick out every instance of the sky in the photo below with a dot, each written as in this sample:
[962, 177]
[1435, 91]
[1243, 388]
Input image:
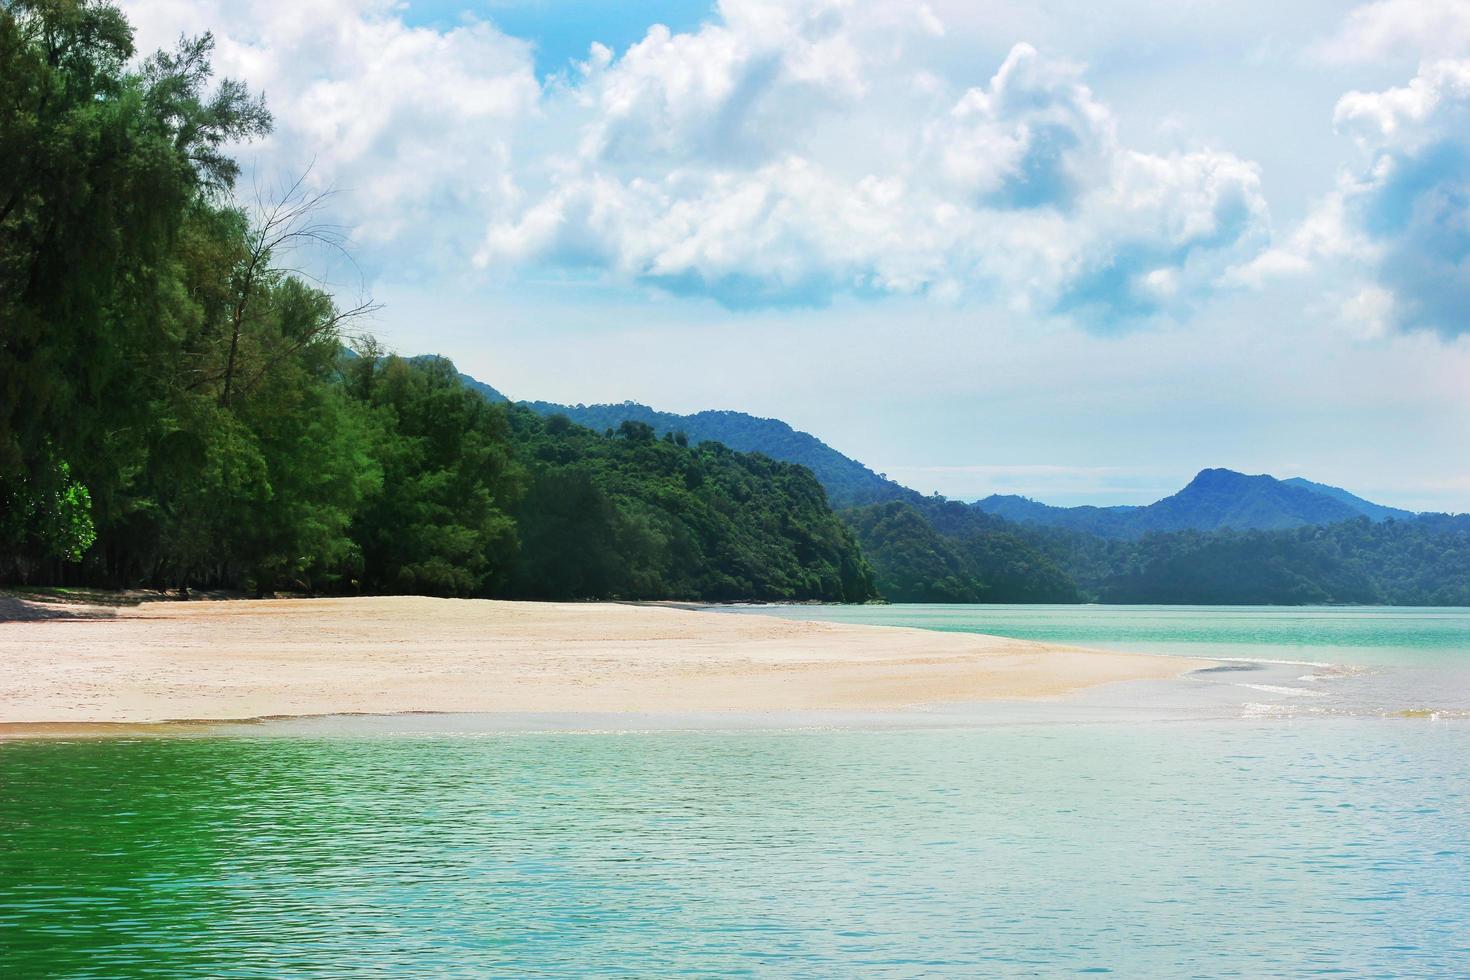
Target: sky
[1072, 250]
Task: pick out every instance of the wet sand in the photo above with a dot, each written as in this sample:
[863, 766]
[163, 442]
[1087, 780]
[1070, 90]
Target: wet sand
[87, 668]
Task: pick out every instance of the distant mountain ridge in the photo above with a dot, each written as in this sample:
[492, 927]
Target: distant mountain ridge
[1109, 522]
[922, 549]
[1226, 537]
[1214, 500]
[1368, 508]
[848, 482]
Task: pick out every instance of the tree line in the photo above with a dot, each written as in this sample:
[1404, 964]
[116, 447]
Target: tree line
[1423, 561]
[942, 551]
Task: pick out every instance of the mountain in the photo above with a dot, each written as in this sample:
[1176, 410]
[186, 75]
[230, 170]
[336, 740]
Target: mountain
[913, 562]
[922, 549]
[1368, 508]
[633, 516]
[848, 482]
[1419, 562]
[1215, 499]
[1219, 498]
[1107, 521]
[476, 385]
[1226, 537]
[944, 551]
[430, 360]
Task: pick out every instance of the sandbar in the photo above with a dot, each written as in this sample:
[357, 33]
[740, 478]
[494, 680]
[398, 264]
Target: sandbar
[239, 659]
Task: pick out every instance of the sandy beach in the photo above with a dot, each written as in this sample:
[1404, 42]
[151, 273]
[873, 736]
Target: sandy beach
[238, 659]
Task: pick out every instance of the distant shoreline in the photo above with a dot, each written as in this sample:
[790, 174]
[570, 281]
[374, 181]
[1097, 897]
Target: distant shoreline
[77, 667]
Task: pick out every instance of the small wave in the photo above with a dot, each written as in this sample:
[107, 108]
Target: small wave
[1296, 692]
[1272, 660]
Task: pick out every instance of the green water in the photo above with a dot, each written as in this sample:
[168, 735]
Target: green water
[1312, 838]
[1146, 850]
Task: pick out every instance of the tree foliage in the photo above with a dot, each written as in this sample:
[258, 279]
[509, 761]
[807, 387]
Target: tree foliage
[632, 515]
[943, 551]
[1421, 561]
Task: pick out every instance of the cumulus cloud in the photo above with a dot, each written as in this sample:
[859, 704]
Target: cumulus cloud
[785, 158]
[1395, 230]
[1326, 233]
[414, 127]
[781, 153]
[1033, 137]
[1387, 29]
[1413, 201]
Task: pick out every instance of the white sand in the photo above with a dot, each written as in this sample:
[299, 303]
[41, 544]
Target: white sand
[245, 659]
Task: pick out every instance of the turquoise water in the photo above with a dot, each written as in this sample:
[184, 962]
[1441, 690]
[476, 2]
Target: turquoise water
[1315, 838]
[1307, 661]
[1146, 850]
[1364, 635]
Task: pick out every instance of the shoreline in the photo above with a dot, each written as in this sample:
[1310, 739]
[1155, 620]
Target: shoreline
[89, 667]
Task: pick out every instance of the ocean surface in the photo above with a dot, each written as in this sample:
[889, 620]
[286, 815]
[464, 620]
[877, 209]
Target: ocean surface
[1291, 661]
[1196, 836]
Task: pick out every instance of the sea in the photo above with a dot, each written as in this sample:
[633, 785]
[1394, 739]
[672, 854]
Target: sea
[1301, 809]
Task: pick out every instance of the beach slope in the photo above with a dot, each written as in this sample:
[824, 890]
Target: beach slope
[218, 660]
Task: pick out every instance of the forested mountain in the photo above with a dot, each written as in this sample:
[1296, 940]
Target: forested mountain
[177, 409]
[1230, 538]
[1226, 537]
[912, 562]
[1010, 563]
[922, 549]
[1415, 563]
[944, 551]
[1367, 508]
[848, 482]
[1108, 522]
[1215, 499]
[630, 514]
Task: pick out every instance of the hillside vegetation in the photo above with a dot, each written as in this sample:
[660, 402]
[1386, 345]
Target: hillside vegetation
[848, 483]
[1226, 537]
[1423, 562]
[921, 549]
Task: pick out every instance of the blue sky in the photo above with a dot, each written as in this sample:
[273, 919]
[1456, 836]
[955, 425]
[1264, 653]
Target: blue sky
[561, 33]
[1072, 250]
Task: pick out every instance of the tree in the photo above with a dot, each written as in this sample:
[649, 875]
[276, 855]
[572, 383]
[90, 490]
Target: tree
[439, 522]
[100, 171]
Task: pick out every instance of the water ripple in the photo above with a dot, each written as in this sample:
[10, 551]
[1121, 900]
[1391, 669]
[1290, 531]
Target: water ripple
[1147, 849]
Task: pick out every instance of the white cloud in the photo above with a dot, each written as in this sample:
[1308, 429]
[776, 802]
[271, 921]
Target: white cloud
[1392, 239]
[1370, 310]
[1326, 233]
[1408, 118]
[1410, 201]
[780, 157]
[414, 127]
[1388, 29]
[784, 152]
